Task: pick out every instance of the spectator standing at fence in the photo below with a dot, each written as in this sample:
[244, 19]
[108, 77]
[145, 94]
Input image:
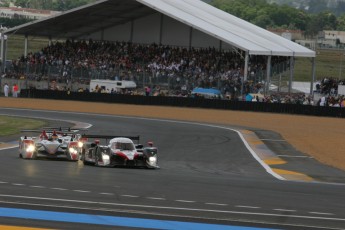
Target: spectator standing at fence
[342, 102]
[323, 101]
[15, 90]
[147, 91]
[6, 89]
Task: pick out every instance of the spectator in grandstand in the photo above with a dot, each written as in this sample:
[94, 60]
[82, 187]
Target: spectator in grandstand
[127, 61]
[329, 86]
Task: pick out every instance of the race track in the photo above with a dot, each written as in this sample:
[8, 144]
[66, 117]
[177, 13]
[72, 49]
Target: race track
[208, 179]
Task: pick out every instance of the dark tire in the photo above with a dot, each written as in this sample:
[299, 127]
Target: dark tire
[68, 156]
[97, 151]
[83, 159]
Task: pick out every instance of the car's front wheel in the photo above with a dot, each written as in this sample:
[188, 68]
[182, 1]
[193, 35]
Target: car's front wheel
[83, 158]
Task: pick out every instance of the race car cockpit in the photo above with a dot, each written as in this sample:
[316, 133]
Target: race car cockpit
[122, 146]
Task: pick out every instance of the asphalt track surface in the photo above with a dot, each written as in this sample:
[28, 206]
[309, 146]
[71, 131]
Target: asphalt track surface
[211, 177]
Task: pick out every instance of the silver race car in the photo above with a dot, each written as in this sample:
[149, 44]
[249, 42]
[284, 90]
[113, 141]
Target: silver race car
[119, 151]
[51, 143]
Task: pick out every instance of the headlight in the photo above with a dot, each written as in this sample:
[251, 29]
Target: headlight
[72, 150]
[105, 157]
[80, 144]
[30, 148]
[153, 160]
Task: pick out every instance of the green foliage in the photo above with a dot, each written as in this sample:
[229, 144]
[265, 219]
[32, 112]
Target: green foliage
[258, 12]
[341, 23]
[266, 15]
[69, 4]
[321, 21]
[6, 22]
[57, 5]
[13, 125]
[337, 7]
[263, 14]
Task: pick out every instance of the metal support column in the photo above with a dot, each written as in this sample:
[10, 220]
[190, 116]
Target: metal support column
[102, 34]
[246, 63]
[3, 61]
[292, 67]
[268, 74]
[312, 78]
[161, 27]
[26, 45]
[132, 31]
[190, 37]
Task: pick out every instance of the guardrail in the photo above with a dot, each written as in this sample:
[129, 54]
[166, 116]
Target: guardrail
[187, 102]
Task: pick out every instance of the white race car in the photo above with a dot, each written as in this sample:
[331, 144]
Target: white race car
[120, 151]
[54, 144]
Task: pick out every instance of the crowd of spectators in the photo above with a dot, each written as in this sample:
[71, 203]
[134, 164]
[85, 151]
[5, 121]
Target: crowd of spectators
[180, 67]
[332, 101]
[329, 86]
[328, 89]
[168, 70]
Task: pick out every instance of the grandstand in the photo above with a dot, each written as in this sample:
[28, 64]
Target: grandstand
[188, 24]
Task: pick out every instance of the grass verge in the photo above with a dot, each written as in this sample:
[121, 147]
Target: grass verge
[13, 125]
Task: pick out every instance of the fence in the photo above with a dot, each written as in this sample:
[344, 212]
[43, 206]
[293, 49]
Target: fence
[141, 74]
[187, 102]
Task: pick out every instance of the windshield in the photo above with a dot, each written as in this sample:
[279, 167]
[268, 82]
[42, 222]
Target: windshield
[122, 146]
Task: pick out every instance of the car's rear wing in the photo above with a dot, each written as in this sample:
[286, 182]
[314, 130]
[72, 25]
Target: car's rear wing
[48, 131]
[63, 129]
[107, 137]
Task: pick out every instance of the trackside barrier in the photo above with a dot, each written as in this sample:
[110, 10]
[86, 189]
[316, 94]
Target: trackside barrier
[187, 102]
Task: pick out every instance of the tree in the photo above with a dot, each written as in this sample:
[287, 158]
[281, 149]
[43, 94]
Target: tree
[321, 21]
[263, 20]
[58, 5]
[7, 22]
[22, 3]
[341, 23]
[64, 5]
[263, 14]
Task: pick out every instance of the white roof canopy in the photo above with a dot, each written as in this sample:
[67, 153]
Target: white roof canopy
[228, 28]
[196, 14]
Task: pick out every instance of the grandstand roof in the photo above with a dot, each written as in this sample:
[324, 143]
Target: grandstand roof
[201, 16]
